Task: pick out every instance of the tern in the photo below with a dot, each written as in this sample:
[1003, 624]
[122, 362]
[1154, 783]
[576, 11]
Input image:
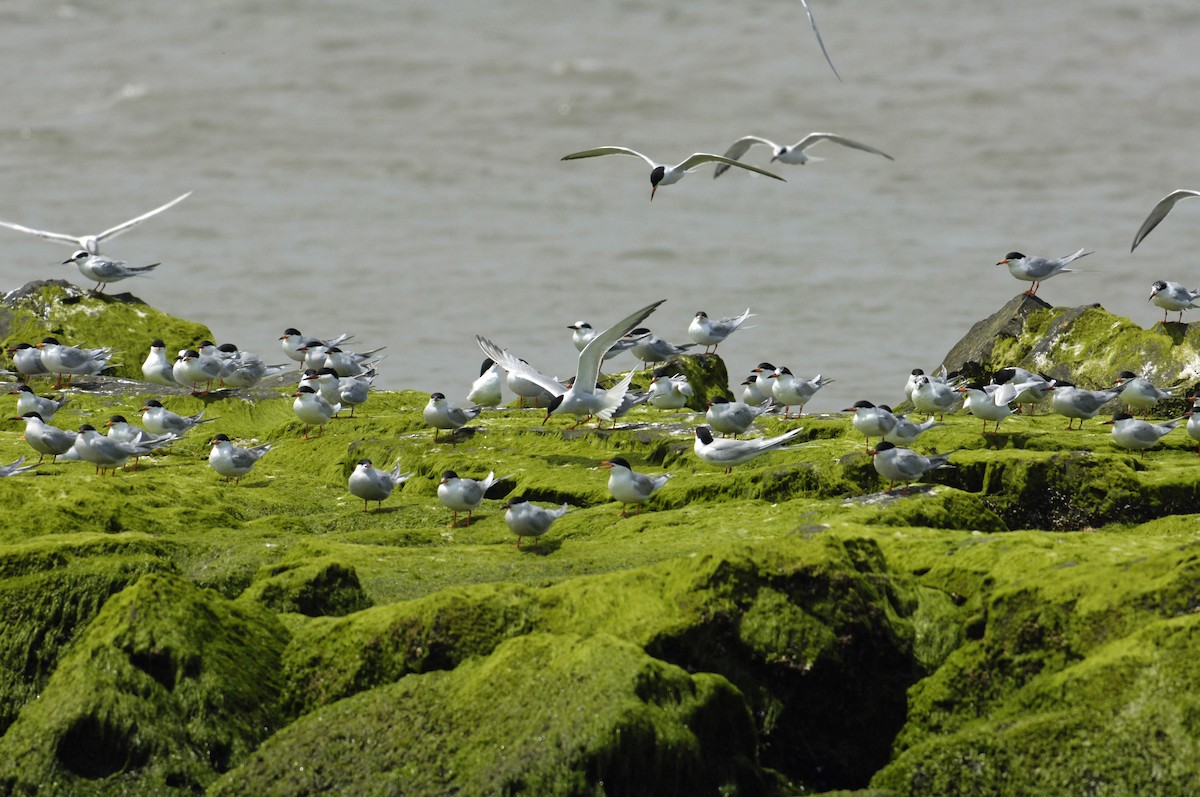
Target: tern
[872, 421]
[1172, 297]
[583, 399]
[1140, 394]
[157, 368]
[906, 432]
[650, 348]
[790, 391]
[460, 494]
[733, 417]
[441, 414]
[530, 520]
[487, 390]
[988, 407]
[160, 420]
[757, 388]
[295, 344]
[354, 390]
[1137, 435]
[709, 332]
[670, 392]
[904, 464]
[1026, 386]
[13, 468]
[372, 484]
[27, 359]
[661, 174]
[932, 397]
[813, 21]
[244, 368]
[103, 271]
[583, 332]
[1159, 212]
[312, 410]
[1074, 402]
[60, 359]
[795, 154]
[1037, 269]
[1193, 421]
[91, 243]
[630, 487]
[191, 368]
[727, 452]
[233, 462]
[28, 401]
[44, 438]
[106, 453]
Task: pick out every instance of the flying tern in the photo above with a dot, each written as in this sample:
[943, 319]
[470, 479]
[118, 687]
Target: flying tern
[661, 174]
[1159, 212]
[795, 154]
[91, 243]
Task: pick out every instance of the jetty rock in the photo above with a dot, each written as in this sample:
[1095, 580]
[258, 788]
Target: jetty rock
[1025, 622]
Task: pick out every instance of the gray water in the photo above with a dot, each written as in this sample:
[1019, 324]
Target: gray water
[392, 169]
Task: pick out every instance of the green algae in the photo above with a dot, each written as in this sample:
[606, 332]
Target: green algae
[605, 713]
[167, 687]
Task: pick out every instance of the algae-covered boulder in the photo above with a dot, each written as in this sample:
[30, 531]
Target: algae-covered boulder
[313, 588]
[543, 714]
[169, 686]
[78, 317]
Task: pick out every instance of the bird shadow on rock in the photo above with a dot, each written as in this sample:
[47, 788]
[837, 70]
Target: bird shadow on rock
[1173, 330]
[542, 547]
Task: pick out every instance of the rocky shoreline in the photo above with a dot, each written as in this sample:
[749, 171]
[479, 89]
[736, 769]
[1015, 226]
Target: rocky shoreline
[1025, 622]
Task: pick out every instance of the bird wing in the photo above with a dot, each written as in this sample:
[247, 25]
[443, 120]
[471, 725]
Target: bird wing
[820, 41]
[1159, 213]
[813, 138]
[515, 366]
[614, 397]
[699, 158]
[587, 370]
[70, 240]
[593, 153]
[739, 148]
[112, 232]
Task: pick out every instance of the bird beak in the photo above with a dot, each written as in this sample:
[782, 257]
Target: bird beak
[1152, 295]
[606, 464]
[653, 188]
[1003, 262]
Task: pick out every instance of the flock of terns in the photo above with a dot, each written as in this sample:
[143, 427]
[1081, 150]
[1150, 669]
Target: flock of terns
[335, 378]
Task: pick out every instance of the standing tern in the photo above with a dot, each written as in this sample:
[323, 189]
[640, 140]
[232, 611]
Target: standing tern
[372, 484]
[106, 453]
[1134, 434]
[486, 391]
[1037, 269]
[727, 451]
[159, 420]
[1159, 212]
[1172, 297]
[583, 399]
[872, 421]
[733, 417]
[1074, 402]
[530, 520]
[312, 410]
[28, 401]
[233, 462]
[795, 154]
[903, 464]
[670, 392]
[441, 414]
[1140, 393]
[91, 243]
[661, 174]
[27, 359]
[791, 391]
[157, 368]
[630, 487]
[44, 438]
[103, 271]
[709, 332]
[460, 494]
[650, 348]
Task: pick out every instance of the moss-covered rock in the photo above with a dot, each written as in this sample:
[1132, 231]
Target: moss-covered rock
[168, 687]
[544, 714]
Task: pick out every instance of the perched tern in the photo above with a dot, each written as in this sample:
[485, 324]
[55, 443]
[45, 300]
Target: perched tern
[441, 414]
[1193, 421]
[906, 432]
[903, 464]
[460, 494]
[295, 344]
[530, 520]
[157, 368]
[1172, 297]
[91, 243]
[27, 359]
[44, 438]
[487, 390]
[872, 421]
[13, 468]
[160, 420]
[106, 453]
[372, 484]
[354, 390]
[1022, 387]
[987, 407]
[933, 397]
[911, 384]
[630, 487]
[312, 410]
[233, 462]
[583, 332]
[1159, 212]
[191, 369]
[582, 399]
[661, 174]
[727, 452]
[795, 154]
[793, 392]
[733, 417]
[103, 271]
[1140, 394]
[757, 388]
[649, 348]
[28, 401]
[244, 369]
[669, 392]
[1134, 434]
[709, 332]
[349, 363]
[63, 360]
[324, 381]
[125, 432]
[525, 389]
[1075, 402]
[1037, 269]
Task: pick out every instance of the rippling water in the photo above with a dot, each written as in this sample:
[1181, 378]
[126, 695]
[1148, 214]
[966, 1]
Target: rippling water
[392, 169]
